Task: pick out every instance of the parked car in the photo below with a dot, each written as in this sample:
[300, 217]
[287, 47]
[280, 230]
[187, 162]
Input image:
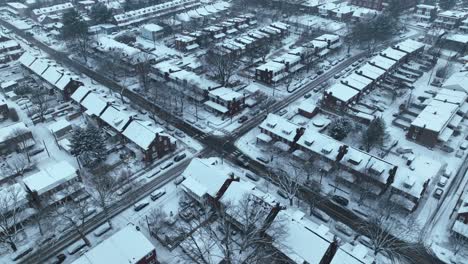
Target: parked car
[179, 180]
[320, 215]
[138, 206]
[102, 230]
[282, 194]
[282, 112]
[438, 193]
[180, 134]
[180, 157]
[337, 76]
[263, 159]
[464, 145]
[157, 194]
[442, 182]
[166, 165]
[241, 160]
[340, 200]
[76, 247]
[308, 95]
[242, 119]
[153, 174]
[319, 72]
[123, 190]
[251, 176]
[60, 258]
[340, 227]
[459, 153]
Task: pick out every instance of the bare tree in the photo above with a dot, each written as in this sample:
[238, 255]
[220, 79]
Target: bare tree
[222, 67]
[288, 183]
[40, 99]
[104, 192]
[142, 69]
[75, 213]
[234, 233]
[19, 163]
[11, 211]
[458, 243]
[42, 207]
[112, 62]
[21, 138]
[385, 234]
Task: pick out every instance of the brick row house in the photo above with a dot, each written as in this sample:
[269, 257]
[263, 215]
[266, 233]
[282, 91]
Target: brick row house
[450, 19]
[125, 125]
[349, 90]
[55, 77]
[407, 186]
[10, 50]
[425, 13]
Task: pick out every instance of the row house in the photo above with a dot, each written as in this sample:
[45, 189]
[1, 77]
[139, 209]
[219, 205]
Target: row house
[214, 32]
[128, 245]
[191, 84]
[209, 182]
[10, 50]
[58, 182]
[55, 77]
[342, 13]
[371, 4]
[55, 10]
[186, 43]
[440, 118]
[358, 166]
[450, 19]
[125, 125]
[143, 14]
[350, 89]
[225, 101]
[425, 13]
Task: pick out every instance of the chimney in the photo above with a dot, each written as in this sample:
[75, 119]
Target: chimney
[272, 215]
[341, 152]
[225, 186]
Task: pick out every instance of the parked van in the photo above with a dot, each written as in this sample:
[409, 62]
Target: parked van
[76, 247]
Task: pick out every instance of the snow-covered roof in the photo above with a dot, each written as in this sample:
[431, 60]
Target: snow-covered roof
[409, 46]
[47, 70]
[7, 132]
[460, 38]
[458, 80]
[50, 177]
[328, 37]
[52, 9]
[17, 5]
[352, 254]
[452, 14]
[203, 178]
[138, 15]
[59, 125]
[342, 92]
[393, 54]
[226, 94]
[116, 117]
[451, 96]
[106, 44]
[357, 81]
[126, 246]
[193, 79]
[305, 241]
[383, 63]
[280, 127]
[435, 116]
[80, 93]
[152, 27]
[412, 180]
[94, 104]
[271, 66]
[141, 133]
[426, 6]
[370, 72]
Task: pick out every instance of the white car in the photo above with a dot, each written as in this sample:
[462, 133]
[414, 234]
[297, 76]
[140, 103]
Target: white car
[442, 182]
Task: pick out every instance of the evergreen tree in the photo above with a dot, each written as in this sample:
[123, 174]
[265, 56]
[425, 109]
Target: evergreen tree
[339, 128]
[88, 145]
[99, 13]
[75, 32]
[375, 134]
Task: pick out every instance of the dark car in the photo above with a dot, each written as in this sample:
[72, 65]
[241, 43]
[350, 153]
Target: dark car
[59, 259]
[319, 72]
[243, 161]
[242, 119]
[438, 193]
[340, 200]
[180, 157]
